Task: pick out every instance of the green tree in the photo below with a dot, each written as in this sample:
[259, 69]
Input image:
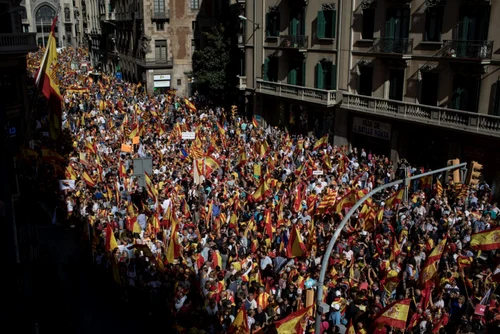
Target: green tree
[210, 64]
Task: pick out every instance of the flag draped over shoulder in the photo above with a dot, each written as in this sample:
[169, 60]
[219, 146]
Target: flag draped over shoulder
[294, 323]
[395, 314]
[486, 240]
[46, 81]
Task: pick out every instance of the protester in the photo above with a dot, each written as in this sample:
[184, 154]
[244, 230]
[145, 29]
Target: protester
[239, 218]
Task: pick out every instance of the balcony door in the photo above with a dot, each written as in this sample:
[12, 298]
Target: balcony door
[430, 87]
[365, 80]
[473, 26]
[396, 84]
[465, 93]
[397, 26]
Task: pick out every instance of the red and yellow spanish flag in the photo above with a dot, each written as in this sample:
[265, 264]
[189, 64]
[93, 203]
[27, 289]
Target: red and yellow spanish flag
[432, 263]
[173, 250]
[295, 247]
[395, 314]
[323, 141]
[110, 239]
[294, 323]
[88, 180]
[190, 105]
[46, 81]
[240, 323]
[255, 123]
[395, 199]
[262, 192]
[221, 130]
[486, 240]
[350, 328]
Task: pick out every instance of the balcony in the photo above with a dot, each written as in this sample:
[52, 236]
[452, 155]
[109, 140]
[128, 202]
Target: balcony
[156, 63]
[18, 43]
[293, 42]
[474, 50]
[160, 16]
[441, 117]
[403, 46]
[320, 96]
[242, 82]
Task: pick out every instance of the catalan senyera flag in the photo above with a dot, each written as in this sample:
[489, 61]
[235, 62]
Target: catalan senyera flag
[294, 323]
[46, 81]
[110, 239]
[486, 240]
[295, 247]
[439, 188]
[240, 323]
[432, 263]
[395, 314]
[323, 141]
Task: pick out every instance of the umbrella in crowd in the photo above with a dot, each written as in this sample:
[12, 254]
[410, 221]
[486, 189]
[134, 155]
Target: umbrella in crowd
[229, 227]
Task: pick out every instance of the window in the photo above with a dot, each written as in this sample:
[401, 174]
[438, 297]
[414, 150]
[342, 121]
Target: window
[326, 75]
[179, 82]
[67, 16]
[397, 23]
[159, 7]
[45, 14]
[195, 4]
[297, 73]
[273, 24]
[465, 93]
[433, 23]
[430, 88]
[368, 23]
[160, 26]
[194, 25]
[161, 51]
[326, 23]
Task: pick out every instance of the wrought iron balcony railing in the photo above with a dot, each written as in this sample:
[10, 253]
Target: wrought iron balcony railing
[468, 49]
[324, 97]
[293, 41]
[18, 43]
[393, 45]
[442, 117]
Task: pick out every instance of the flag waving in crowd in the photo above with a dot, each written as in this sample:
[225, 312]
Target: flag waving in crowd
[223, 221]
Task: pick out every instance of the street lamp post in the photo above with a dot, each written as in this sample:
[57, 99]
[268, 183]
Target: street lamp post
[256, 27]
[322, 308]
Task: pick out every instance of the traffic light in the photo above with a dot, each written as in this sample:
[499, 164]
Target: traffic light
[453, 174]
[474, 174]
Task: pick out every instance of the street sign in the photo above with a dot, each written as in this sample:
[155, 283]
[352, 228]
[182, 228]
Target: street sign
[119, 75]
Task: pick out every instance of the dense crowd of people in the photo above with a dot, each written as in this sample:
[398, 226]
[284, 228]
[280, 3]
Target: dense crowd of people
[239, 217]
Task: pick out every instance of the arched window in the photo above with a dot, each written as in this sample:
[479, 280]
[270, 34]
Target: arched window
[45, 14]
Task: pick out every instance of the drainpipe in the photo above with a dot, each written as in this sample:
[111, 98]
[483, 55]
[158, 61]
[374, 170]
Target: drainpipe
[254, 58]
[339, 38]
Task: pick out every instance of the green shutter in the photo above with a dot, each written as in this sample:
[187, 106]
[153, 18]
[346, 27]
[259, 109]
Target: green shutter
[334, 23]
[292, 77]
[390, 25]
[266, 69]
[320, 24]
[319, 76]
[294, 27]
[333, 77]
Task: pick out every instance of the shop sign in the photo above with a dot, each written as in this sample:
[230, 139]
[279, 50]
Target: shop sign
[371, 128]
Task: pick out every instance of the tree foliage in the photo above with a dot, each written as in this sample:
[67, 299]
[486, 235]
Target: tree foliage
[210, 63]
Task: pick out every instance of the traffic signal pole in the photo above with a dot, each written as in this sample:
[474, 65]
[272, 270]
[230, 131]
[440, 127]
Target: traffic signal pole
[322, 308]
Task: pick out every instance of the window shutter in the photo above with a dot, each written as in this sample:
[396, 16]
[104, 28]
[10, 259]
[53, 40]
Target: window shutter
[320, 24]
[334, 23]
[333, 77]
[319, 76]
[266, 69]
[292, 77]
[276, 30]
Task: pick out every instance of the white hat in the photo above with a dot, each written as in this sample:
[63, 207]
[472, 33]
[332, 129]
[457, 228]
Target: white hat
[364, 233]
[337, 293]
